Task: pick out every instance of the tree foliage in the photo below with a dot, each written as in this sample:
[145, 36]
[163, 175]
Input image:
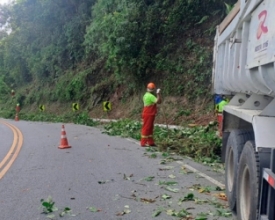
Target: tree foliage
[46, 38]
[43, 40]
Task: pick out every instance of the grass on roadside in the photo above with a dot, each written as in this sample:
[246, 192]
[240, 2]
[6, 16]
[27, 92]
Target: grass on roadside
[200, 143]
[74, 117]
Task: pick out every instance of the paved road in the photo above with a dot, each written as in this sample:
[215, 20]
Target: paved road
[100, 172]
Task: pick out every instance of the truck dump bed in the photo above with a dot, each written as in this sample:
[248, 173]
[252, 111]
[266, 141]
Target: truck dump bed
[244, 51]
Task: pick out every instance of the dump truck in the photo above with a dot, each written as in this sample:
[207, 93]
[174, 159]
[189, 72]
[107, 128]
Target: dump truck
[244, 70]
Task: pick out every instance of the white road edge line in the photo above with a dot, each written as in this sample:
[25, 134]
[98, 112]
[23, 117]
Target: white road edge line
[217, 183]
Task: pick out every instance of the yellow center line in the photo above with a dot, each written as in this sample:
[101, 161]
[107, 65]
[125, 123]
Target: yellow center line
[14, 150]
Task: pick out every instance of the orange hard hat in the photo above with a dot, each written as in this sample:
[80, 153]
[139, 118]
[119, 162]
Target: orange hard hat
[151, 86]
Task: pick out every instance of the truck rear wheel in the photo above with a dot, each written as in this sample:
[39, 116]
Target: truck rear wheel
[235, 144]
[248, 183]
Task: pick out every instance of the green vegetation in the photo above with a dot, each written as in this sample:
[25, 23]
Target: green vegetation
[83, 51]
[57, 51]
[48, 207]
[77, 118]
[192, 142]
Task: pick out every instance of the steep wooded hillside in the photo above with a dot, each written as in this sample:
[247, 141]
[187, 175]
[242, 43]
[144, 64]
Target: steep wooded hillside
[57, 53]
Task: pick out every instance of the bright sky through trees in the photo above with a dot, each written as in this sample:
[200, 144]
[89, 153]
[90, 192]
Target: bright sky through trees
[4, 1]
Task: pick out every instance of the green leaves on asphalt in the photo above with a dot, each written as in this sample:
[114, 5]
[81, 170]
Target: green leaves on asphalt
[156, 213]
[201, 216]
[201, 189]
[168, 183]
[182, 213]
[124, 128]
[166, 168]
[188, 197]
[66, 210]
[48, 205]
[125, 211]
[224, 213]
[165, 196]
[146, 200]
[174, 190]
[94, 209]
[149, 178]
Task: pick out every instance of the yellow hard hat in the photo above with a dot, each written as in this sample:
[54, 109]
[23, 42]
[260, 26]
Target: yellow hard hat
[151, 86]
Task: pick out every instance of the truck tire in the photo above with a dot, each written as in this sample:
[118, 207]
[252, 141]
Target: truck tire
[235, 144]
[248, 183]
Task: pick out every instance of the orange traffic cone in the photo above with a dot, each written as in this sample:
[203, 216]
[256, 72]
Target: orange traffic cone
[63, 142]
[16, 117]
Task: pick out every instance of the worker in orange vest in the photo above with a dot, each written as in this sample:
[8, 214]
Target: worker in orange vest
[17, 107]
[149, 112]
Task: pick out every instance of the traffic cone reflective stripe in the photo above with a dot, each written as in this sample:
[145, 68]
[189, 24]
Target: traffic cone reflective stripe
[16, 117]
[63, 142]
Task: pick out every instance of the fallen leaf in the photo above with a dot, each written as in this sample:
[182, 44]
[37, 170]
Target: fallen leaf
[165, 196]
[196, 186]
[175, 190]
[134, 195]
[200, 201]
[102, 182]
[221, 196]
[50, 216]
[201, 216]
[94, 209]
[170, 212]
[204, 190]
[156, 213]
[189, 197]
[120, 213]
[168, 183]
[219, 188]
[126, 177]
[147, 200]
[149, 178]
[127, 211]
[172, 176]
[185, 170]
[166, 168]
[224, 213]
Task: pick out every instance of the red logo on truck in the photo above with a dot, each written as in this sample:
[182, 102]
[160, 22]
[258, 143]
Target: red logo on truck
[262, 29]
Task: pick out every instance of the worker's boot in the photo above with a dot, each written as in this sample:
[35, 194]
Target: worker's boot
[143, 142]
[151, 142]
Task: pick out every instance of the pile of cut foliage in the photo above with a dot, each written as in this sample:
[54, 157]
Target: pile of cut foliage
[195, 142]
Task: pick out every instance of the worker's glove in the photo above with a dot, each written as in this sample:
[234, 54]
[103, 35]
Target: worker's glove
[158, 91]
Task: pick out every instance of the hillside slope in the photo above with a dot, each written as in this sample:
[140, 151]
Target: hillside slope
[88, 52]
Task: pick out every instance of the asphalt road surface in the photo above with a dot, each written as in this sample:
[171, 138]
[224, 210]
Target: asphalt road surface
[100, 177]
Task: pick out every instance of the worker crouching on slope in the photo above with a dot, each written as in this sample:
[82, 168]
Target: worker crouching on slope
[148, 115]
